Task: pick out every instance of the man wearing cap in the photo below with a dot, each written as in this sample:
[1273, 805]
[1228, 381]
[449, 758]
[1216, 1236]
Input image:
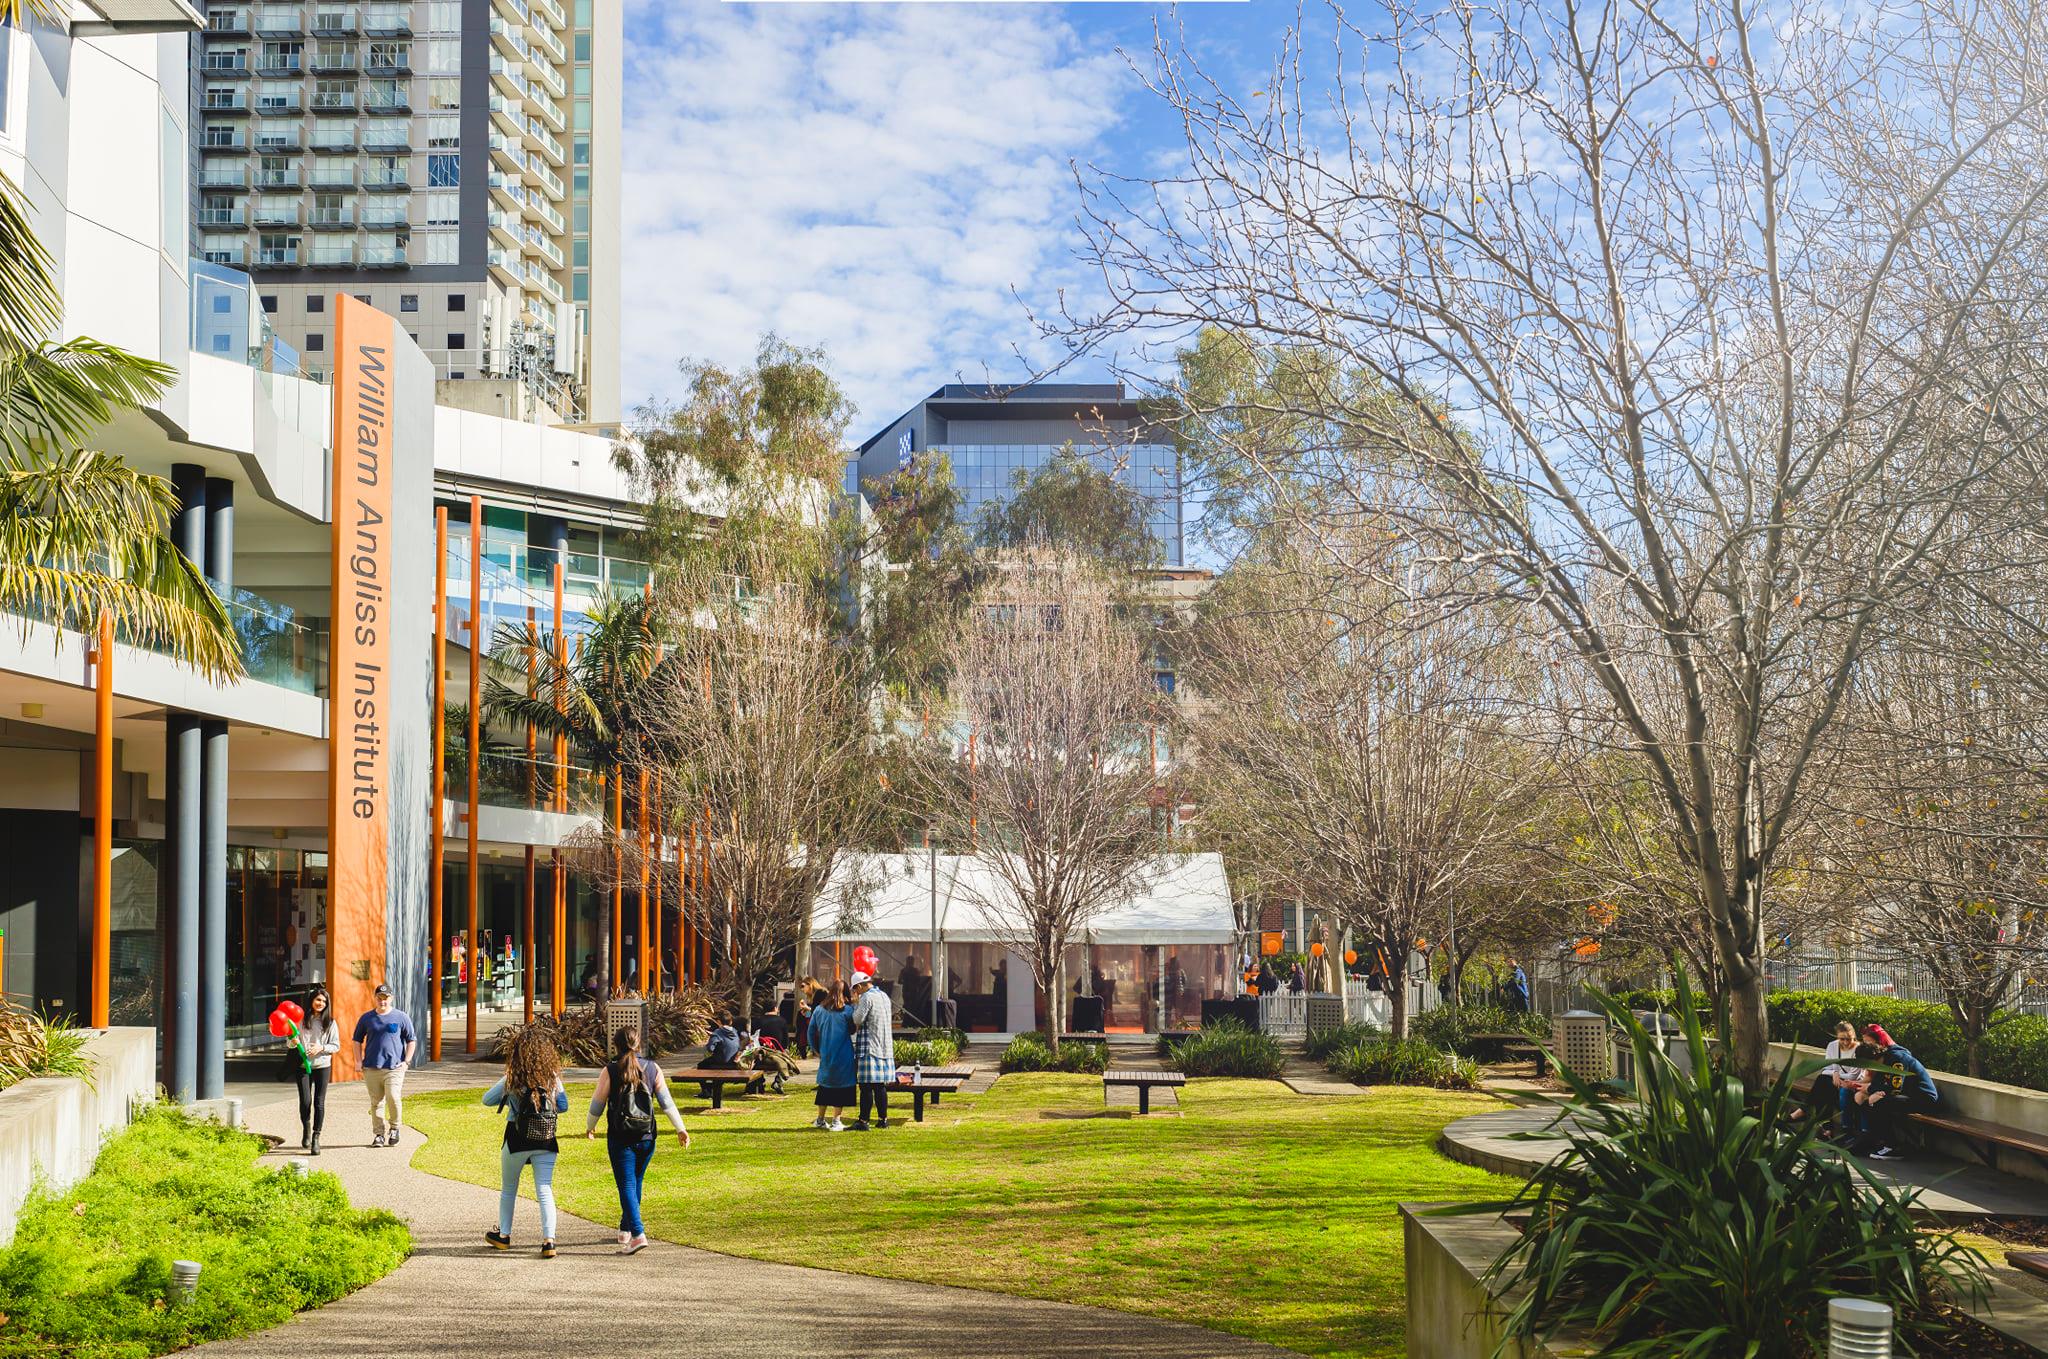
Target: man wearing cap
[874, 1050]
[385, 1042]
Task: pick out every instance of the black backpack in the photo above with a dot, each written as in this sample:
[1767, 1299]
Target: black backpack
[535, 1121]
[629, 1111]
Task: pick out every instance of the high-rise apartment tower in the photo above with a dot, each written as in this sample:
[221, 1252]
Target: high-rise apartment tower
[453, 162]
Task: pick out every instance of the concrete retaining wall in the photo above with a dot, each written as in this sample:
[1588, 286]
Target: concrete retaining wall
[1451, 1315]
[1966, 1097]
[51, 1127]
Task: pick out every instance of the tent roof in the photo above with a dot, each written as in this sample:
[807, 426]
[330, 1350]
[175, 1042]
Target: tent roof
[1185, 899]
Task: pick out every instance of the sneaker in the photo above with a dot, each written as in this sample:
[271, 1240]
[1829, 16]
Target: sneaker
[860, 1125]
[498, 1239]
[634, 1246]
[1884, 1154]
[547, 1250]
[818, 1122]
[882, 1123]
[834, 1126]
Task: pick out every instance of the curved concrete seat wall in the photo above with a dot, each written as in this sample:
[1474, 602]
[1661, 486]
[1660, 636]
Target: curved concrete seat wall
[51, 1127]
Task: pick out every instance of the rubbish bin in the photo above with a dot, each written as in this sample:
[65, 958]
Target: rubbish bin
[1324, 1012]
[620, 1014]
[1579, 1038]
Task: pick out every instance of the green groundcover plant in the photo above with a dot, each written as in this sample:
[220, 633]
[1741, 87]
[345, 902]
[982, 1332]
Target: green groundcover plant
[1454, 1030]
[1697, 1221]
[1032, 1052]
[1385, 1060]
[1320, 1043]
[1227, 1049]
[35, 1045]
[88, 1275]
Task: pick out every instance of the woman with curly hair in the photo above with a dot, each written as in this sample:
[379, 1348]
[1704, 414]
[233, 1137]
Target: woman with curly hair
[532, 1097]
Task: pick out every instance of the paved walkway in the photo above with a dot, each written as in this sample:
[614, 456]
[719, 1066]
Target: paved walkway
[1948, 1187]
[459, 1299]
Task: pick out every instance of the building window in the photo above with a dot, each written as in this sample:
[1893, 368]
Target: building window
[458, 341]
[363, 298]
[583, 150]
[269, 301]
[458, 302]
[444, 171]
[580, 288]
[315, 343]
[583, 47]
[408, 301]
[223, 304]
[316, 302]
[220, 344]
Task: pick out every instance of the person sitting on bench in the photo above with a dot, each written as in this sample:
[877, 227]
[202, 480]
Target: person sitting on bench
[1887, 1109]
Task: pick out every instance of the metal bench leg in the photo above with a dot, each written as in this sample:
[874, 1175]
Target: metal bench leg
[718, 1094]
[1144, 1099]
[917, 1106]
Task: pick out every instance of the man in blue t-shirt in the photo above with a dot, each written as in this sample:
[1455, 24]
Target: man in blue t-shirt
[385, 1042]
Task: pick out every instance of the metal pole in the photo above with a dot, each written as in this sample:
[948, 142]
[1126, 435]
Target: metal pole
[437, 959]
[103, 822]
[476, 675]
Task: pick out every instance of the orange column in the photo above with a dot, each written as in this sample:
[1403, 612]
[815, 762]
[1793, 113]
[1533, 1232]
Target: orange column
[439, 852]
[640, 839]
[559, 989]
[526, 942]
[660, 922]
[618, 876]
[476, 676]
[103, 823]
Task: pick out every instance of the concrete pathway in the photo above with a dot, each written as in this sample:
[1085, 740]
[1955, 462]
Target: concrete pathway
[456, 1298]
[1305, 1077]
[1950, 1188]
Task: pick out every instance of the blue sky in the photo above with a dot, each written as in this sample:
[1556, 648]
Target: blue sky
[889, 180]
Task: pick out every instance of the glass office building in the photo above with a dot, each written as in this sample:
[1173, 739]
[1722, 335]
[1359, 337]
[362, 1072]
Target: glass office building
[993, 434]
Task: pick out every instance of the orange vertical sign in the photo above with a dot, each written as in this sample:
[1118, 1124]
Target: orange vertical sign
[360, 696]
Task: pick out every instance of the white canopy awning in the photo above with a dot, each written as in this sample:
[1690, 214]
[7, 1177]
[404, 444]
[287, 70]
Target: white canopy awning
[873, 898]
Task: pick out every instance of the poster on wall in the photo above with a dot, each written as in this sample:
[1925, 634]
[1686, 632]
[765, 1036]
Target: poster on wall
[305, 938]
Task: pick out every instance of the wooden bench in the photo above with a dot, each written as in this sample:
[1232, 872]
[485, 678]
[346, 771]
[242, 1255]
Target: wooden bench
[1090, 1037]
[1516, 1044]
[1144, 1080]
[1981, 1134]
[718, 1077]
[2034, 1262]
[928, 1082]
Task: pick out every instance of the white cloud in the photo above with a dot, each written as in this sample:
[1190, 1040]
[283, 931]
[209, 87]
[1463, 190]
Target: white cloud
[876, 179]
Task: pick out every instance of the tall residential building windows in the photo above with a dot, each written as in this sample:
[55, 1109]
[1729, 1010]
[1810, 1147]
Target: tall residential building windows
[444, 172]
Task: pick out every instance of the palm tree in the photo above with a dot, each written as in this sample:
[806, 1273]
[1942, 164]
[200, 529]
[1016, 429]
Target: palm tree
[81, 532]
[597, 699]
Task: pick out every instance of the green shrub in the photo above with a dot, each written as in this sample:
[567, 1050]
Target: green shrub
[35, 1045]
[1228, 1049]
[1033, 1052]
[1320, 1043]
[1697, 1220]
[933, 1033]
[1452, 1030]
[88, 1272]
[1403, 1061]
[919, 1052]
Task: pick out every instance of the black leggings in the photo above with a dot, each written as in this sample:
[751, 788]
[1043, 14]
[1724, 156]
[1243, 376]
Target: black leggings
[313, 1096]
[874, 1095]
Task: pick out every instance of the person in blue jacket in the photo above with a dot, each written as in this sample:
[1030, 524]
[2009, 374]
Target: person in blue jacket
[531, 1094]
[1916, 1093]
[831, 1037]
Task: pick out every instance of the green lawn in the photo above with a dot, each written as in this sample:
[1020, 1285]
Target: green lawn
[1255, 1211]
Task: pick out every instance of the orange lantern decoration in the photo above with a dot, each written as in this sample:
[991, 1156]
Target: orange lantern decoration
[1316, 949]
[1587, 948]
[1270, 942]
[1602, 914]
[1350, 956]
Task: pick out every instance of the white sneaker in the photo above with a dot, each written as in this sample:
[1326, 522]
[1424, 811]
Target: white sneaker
[1884, 1154]
[818, 1122]
[835, 1126]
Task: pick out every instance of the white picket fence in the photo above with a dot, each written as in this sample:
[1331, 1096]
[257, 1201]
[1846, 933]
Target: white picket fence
[1286, 1015]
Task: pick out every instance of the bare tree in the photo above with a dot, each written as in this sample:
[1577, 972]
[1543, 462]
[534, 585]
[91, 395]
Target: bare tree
[763, 747]
[1673, 305]
[1380, 763]
[1039, 758]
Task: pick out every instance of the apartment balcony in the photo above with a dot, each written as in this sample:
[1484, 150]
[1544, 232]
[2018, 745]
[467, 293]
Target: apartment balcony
[277, 215]
[335, 64]
[549, 111]
[233, 143]
[505, 189]
[224, 66]
[387, 102]
[505, 114]
[333, 219]
[387, 182]
[505, 266]
[335, 102]
[228, 23]
[334, 176]
[388, 141]
[535, 278]
[549, 147]
[280, 23]
[281, 142]
[280, 103]
[546, 249]
[334, 22]
[278, 179]
[281, 68]
[514, 11]
[549, 12]
[543, 38]
[334, 137]
[224, 102]
[504, 227]
[378, 217]
[508, 76]
[541, 71]
[223, 219]
[235, 254]
[505, 152]
[507, 38]
[388, 21]
[278, 257]
[549, 180]
[379, 256]
[387, 66]
[538, 207]
[222, 176]
[333, 254]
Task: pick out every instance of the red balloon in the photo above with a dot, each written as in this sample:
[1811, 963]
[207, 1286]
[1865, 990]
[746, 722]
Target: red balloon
[280, 1023]
[864, 960]
[290, 1009]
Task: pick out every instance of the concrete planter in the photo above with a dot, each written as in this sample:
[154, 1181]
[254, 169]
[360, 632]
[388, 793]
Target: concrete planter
[1451, 1312]
[51, 1127]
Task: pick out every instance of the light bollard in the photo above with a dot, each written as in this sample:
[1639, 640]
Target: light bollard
[184, 1280]
[1859, 1329]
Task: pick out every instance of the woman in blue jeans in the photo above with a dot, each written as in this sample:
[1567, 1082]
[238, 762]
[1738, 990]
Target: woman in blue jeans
[532, 1097]
[627, 1091]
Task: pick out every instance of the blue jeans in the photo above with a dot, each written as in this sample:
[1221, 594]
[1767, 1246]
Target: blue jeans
[1853, 1116]
[629, 1169]
[510, 1165]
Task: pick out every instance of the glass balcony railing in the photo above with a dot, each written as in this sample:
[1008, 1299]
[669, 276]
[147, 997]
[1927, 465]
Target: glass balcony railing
[505, 777]
[277, 648]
